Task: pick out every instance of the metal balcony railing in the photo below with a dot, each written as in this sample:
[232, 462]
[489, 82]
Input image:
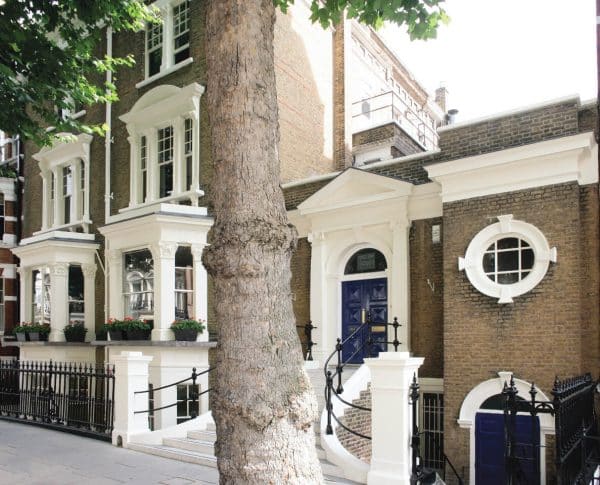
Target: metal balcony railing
[387, 107]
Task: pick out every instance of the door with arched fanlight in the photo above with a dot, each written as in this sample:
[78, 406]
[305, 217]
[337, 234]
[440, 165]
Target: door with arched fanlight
[364, 300]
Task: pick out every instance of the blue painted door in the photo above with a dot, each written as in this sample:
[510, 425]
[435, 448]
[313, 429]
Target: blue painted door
[370, 296]
[489, 449]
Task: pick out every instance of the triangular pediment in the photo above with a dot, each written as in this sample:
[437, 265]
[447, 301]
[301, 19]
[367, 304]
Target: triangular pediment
[355, 187]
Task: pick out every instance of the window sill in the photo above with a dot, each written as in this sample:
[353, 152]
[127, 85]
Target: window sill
[84, 223]
[164, 73]
[189, 194]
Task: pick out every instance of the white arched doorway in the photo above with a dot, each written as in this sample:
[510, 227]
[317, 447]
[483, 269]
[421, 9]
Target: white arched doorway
[472, 408]
[364, 295]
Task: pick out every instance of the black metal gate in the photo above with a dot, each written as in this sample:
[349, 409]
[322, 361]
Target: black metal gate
[577, 443]
[77, 398]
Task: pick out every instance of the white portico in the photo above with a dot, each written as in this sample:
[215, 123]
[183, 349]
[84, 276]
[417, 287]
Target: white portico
[358, 211]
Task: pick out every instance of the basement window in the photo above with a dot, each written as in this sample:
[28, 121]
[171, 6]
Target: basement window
[507, 259]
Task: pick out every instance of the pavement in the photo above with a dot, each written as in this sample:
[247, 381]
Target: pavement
[31, 455]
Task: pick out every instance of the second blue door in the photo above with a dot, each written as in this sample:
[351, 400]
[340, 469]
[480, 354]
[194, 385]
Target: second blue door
[358, 297]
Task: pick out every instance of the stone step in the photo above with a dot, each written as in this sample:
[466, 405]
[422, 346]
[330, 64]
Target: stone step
[210, 426]
[203, 435]
[176, 454]
[197, 446]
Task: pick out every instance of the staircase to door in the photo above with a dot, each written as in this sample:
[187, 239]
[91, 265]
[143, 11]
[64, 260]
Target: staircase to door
[198, 446]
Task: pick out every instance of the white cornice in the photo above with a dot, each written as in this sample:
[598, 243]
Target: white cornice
[78, 146]
[561, 160]
[161, 104]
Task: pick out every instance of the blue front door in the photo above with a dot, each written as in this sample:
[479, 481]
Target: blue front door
[358, 298]
[489, 449]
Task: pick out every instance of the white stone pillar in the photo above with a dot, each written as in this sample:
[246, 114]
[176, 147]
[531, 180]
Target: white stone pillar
[25, 284]
[89, 301]
[391, 420]
[318, 296]
[178, 157]
[131, 375]
[163, 254]
[400, 288]
[200, 289]
[59, 301]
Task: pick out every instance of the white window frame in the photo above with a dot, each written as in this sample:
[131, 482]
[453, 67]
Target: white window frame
[506, 227]
[161, 107]
[69, 151]
[167, 44]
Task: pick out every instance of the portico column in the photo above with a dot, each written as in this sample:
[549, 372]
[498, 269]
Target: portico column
[318, 299]
[200, 289]
[400, 290]
[59, 301]
[89, 303]
[391, 419]
[26, 296]
[163, 254]
[57, 218]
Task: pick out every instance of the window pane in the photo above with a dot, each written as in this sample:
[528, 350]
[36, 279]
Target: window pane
[154, 62]
[489, 262]
[366, 261]
[181, 409]
[138, 283]
[76, 302]
[184, 283]
[527, 259]
[181, 392]
[508, 261]
[166, 180]
[508, 278]
[508, 242]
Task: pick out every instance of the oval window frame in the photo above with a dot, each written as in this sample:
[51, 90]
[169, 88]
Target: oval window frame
[472, 262]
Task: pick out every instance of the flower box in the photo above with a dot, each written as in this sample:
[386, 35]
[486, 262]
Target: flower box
[137, 334]
[75, 332]
[186, 334]
[187, 330]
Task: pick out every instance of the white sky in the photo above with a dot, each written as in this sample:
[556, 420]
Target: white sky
[497, 55]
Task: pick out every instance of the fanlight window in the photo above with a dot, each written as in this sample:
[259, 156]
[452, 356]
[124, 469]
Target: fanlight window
[366, 261]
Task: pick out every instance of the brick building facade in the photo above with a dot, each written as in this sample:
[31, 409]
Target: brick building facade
[115, 227]
[492, 263]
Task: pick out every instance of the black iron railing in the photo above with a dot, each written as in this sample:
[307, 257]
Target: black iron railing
[420, 473]
[308, 342]
[78, 398]
[577, 441]
[190, 399]
[367, 344]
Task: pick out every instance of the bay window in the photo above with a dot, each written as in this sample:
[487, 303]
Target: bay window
[164, 140]
[41, 292]
[65, 184]
[76, 295]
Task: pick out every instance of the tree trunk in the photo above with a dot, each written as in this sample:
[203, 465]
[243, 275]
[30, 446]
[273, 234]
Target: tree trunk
[263, 403]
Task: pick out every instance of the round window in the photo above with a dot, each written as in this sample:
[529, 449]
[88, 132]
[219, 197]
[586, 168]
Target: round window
[507, 259]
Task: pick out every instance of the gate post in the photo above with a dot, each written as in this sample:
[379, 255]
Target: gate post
[131, 375]
[391, 423]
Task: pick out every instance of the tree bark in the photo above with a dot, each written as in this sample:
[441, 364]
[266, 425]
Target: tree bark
[263, 403]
